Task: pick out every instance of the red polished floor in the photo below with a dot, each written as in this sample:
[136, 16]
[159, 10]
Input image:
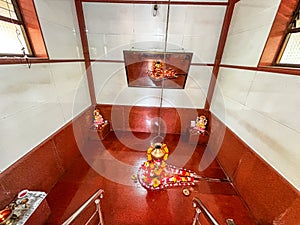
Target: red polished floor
[109, 165]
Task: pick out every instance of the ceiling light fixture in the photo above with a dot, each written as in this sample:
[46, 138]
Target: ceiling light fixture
[155, 10]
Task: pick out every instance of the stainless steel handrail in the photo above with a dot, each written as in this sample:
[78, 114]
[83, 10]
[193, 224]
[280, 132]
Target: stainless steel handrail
[196, 217]
[96, 197]
[198, 205]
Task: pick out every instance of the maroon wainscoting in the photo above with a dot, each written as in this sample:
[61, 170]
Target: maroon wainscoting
[267, 194]
[37, 170]
[291, 214]
[141, 119]
[41, 168]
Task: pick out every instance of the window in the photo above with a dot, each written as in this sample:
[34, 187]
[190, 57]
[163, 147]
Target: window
[14, 41]
[290, 49]
[277, 41]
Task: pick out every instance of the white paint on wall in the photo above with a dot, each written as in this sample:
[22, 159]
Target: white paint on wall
[60, 28]
[113, 28]
[262, 109]
[249, 29]
[111, 88]
[35, 103]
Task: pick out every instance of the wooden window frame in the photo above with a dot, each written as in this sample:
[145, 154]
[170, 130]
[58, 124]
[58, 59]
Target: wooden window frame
[33, 30]
[277, 36]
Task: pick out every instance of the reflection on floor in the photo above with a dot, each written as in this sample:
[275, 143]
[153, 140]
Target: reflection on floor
[110, 164]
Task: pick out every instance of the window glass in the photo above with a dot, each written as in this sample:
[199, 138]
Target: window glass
[290, 50]
[12, 32]
[7, 9]
[291, 53]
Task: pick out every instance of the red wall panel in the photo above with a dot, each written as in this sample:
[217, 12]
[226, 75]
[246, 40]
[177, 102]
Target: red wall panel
[41, 168]
[142, 119]
[268, 195]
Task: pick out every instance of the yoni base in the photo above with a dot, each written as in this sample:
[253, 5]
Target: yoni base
[198, 138]
[96, 134]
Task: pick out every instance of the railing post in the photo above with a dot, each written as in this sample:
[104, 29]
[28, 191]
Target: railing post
[197, 213]
[98, 209]
[96, 197]
[199, 205]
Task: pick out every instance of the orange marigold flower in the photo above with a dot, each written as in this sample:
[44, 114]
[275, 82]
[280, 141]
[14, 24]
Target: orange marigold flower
[155, 182]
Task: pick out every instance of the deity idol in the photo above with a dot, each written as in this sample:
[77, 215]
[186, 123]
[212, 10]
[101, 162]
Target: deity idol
[98, 119]
[201, 123]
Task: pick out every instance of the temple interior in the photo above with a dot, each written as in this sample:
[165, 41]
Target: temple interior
[139, 112]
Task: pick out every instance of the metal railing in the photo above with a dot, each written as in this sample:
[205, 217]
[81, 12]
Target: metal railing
[199, 207]
[96, 198]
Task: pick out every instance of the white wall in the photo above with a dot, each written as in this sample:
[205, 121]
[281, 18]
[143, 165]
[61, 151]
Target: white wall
[38, 101]
[261, 108]
[249, 29]
[111, 88]
[113, 28]
[59, 25]
[35, 103]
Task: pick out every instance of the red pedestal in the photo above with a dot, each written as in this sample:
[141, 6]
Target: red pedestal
[96, 134]
[197, 137]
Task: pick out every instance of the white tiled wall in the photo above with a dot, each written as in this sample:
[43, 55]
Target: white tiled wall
[113, 28]
[35, 103]
[59, 25]
[249, 29]
[38, 101]
[197, 29]
[262, 109]
[111, 88]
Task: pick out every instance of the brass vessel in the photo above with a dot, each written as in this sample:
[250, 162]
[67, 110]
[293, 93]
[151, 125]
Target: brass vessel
[158, 152]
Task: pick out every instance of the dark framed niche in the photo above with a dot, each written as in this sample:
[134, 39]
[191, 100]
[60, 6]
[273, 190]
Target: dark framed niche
[137, 63]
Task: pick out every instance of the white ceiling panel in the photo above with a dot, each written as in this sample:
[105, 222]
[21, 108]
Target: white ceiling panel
[107, 18]
[196, 20]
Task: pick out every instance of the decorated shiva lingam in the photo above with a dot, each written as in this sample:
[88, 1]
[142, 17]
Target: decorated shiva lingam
[157, 71]
[156, 174]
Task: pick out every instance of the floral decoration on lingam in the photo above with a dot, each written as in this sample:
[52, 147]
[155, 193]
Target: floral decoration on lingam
[157, 174]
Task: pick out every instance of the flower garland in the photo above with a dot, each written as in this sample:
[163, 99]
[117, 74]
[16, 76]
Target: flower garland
[158, 72]
[156, 174]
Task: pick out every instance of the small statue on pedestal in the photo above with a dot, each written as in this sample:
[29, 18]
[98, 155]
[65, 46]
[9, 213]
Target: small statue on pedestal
[201, 123]
[98, 119]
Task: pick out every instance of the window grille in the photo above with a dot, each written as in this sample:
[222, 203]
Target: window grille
[14, 41]
[290, 50]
